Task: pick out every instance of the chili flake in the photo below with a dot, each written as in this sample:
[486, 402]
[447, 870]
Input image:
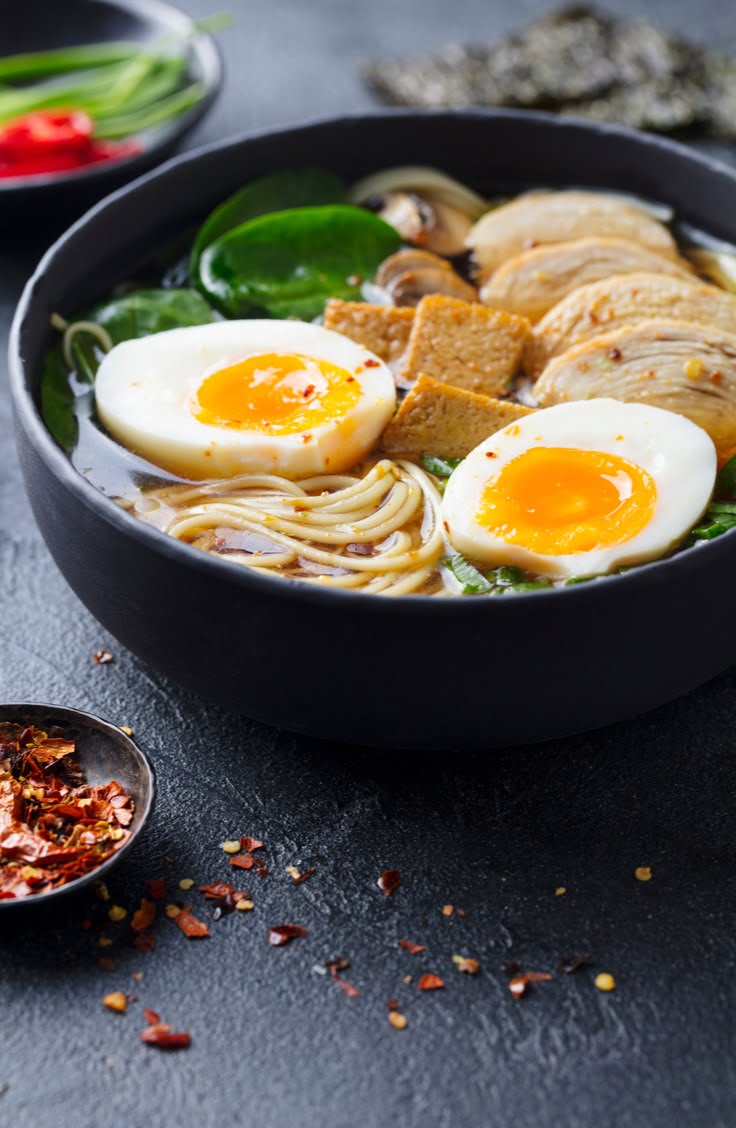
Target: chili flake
[117, 913]
[143, 917]
[250, 844]
[466, 964]
[186, 883]
[232, 846]
[518, 986]
[192, 928]
[281, 934]
[410, 947]
[244, 905]
[299, 878]
[569, 964]
[430, 983]
[643, 873]
[158, 1033]
[172, 911]
[342, 963]
[116, 1001]
[157, 888]
[389, 880]
[102, 657]
[398, 1021]
[56, 827]
[605, 982]
[560, 891]
[448, 910]
[243, 861]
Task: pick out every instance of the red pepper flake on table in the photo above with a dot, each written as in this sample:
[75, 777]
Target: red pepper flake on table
[54, 827]
[342, 963]
[519, 984]
[410, 947]
[160, 1034]
[192, 928]
[430, 983]
[102, 658]
[466, 964]
[389, 880]
[281, 934]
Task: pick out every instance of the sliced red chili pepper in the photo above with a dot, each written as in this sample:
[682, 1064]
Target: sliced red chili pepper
[45, 131]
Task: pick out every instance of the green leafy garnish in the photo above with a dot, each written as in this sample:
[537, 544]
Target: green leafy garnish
[278, 192]
[150, 311]
[507, 576]
[440, 467]
[135, 315]
[726, 480]
[470, 579]
[288, 263]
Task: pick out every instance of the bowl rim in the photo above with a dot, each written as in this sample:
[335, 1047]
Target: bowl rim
[207, 53]
[97, 874]
[28, 413]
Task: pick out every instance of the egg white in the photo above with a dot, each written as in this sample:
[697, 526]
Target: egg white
[144, 386]
[678, 455]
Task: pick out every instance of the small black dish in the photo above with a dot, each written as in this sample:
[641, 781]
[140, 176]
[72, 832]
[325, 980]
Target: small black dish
[40, 25]
[104, 752]
[408, 671]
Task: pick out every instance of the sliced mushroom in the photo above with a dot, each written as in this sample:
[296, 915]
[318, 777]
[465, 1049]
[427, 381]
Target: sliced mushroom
[427, 182]
[409, 275]
[686, 368]
[533, 282]
[622, 300]
[555, 217]
[425, 206]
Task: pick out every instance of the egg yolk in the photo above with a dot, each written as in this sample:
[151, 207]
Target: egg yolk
[559, 500]
[275, 394]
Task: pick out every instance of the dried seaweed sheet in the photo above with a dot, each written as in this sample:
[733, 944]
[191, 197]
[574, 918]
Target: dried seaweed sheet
[576, 61]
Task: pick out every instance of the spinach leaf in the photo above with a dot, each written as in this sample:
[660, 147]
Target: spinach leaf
[57, 400]
[150, 311]
[471, 580]
[289, 263]
[135, 315]
[440, 467]
[277, 192]
[726, 480]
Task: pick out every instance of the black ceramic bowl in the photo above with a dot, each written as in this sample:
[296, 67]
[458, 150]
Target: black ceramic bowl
[39, 25]
[104, 752]
[414, 671]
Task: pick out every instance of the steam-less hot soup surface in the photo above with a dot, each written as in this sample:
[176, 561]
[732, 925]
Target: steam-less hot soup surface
[401, 386]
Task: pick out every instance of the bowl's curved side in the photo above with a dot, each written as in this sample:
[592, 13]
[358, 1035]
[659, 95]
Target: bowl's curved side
[407, 672]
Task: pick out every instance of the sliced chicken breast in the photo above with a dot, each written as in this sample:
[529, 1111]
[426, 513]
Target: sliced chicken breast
[533, 282]
[622, 300]
[686, 368]
[556, 217]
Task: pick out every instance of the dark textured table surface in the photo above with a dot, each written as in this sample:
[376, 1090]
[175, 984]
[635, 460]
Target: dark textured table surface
[273, 1042]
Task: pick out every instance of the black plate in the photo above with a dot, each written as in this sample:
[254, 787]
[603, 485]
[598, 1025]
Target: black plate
[412, 671]
[104, 752]
[39, 25]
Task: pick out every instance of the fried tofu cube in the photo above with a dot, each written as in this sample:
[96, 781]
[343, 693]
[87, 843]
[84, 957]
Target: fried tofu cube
[464, 344]
[382, 329]
[449, 422]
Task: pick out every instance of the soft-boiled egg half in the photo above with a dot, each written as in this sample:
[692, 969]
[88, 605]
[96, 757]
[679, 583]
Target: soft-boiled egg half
[581, 489]
[235, 397]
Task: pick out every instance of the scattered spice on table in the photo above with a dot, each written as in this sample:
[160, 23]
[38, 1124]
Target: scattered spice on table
[281, 934]
[160, 1034]
[397, 1020]
[186, 883]
[335, 967]
[54, 827]
[157, 888]
[643, 873]
[570, 964]
[415, 949]
[231, 846]
[192, 928]
[519, 984]
[560, 891]
[299, 878]
[116, 1001]
[102, 658]
[225, 897]
[466, 964]
[605, 982]
[144, 916]
[430, 983]
[389, 880]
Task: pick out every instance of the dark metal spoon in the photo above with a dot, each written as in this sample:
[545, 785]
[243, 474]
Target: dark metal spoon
[104, 752]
